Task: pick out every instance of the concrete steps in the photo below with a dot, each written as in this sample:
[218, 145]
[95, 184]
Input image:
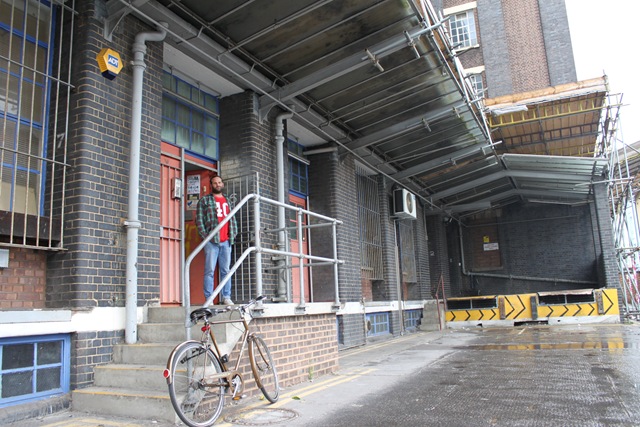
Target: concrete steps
[133, 385]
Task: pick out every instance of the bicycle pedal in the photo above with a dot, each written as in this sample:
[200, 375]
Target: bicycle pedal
[242, 396]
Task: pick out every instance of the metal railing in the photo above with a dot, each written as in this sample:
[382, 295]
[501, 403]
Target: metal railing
[257, 249]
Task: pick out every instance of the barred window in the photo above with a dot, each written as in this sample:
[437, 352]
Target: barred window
[463, 29]
[475, 80]
[34, 84]
[190, 117]
[370, 226]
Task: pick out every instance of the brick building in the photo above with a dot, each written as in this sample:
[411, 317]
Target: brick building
[355, 115]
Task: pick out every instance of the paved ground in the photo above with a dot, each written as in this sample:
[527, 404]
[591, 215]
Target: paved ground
[579, 375]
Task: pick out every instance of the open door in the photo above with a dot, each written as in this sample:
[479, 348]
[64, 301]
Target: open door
[295, 243]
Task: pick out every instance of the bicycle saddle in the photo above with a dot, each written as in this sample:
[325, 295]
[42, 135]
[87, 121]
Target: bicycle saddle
[204, 314]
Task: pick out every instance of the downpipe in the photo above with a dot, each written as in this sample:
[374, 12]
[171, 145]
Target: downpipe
[281, 292]
[133, 223]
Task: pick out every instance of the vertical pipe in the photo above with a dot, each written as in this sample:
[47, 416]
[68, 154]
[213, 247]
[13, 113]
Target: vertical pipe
[301, 260]
[257, 231]
[281, 292]
[133, 223]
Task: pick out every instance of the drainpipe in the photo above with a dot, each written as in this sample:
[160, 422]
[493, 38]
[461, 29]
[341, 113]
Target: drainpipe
[281, 293]
[133, 223]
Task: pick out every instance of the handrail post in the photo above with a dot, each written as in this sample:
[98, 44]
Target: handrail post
[300, 260]
[258, 256]
[334, 230]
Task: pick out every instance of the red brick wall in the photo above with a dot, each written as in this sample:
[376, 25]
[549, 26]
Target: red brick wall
[303, 348]
[22, 285]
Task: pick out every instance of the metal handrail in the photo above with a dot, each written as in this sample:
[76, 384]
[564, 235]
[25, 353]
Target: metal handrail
[258, 249]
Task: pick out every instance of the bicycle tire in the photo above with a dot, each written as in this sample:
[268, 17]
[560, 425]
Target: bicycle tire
[195, 404]
[264, 370]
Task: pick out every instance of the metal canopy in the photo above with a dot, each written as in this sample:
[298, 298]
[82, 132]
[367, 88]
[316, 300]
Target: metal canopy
[378, 77]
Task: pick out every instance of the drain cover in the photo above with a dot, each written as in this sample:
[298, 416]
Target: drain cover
[261, 416]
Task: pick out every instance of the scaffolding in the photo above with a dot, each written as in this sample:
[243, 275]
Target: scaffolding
[624, 162]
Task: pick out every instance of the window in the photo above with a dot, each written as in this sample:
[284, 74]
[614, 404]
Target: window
[412, 318]
[34, 89]
[190, 117]
[369, 222]
[33, 367]
[475, 81]
[298, 169]
[463, 30]
[378, 324]
[25, 35]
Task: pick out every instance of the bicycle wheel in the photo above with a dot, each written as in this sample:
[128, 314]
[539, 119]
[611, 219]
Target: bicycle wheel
[196, 403]
[264, 370]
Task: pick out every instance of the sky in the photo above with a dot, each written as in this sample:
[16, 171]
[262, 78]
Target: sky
[604, 36]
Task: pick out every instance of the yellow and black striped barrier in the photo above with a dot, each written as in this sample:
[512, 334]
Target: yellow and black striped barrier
[572, 306]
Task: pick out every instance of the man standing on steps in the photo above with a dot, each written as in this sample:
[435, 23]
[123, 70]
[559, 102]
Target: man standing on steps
[212, 209]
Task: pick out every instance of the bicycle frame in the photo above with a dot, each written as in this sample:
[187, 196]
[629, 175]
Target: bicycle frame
[209, 340]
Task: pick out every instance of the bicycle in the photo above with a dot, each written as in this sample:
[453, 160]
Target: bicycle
[197, 373]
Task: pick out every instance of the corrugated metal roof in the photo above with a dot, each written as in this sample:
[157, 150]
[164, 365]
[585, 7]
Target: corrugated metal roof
[378, 78]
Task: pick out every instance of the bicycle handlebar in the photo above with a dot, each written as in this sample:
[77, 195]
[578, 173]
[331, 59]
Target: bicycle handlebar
[207, 313]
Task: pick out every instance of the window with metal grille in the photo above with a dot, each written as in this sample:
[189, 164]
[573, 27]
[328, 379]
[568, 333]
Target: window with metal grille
[462, 27]
[369, 226]
[190, 117]
[34, 86]
[378, 324]
[32, 368]
[412, 318]
[407, 251]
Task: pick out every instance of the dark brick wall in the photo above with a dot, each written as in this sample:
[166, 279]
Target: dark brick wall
[89, 349]
[422, 255]
[92, 270]
[557, 41]
[494, 48]
[247, 147]
[438, 254]
[538, 243]
[351, 331]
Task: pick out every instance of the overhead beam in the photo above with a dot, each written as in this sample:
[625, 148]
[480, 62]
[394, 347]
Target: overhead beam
[404, 127]
[555, 176]
[432, 164]
[344, 66]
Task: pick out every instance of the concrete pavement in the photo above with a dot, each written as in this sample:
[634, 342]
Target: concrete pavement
[577, 375]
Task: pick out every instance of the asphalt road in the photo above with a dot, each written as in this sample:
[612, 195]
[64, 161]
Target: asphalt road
[578, 375]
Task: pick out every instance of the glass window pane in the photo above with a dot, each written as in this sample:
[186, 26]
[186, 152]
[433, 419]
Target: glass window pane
[17, 384]
[211, 149]
[48, 379]
[197, 122]
[183, 137]
[49, 352]
[168, 108]
[183, 89]
[17, 356]
[197, 142]
[211, 126]
[168, 82]
[211, 103]
[168, 132]
[183, 115]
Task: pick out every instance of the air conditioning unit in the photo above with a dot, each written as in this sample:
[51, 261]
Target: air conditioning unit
[404, 204]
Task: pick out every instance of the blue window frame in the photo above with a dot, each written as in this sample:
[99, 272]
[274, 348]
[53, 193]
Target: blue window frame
[190, 117]
[25, 69]
[412, 318]
[298, 170]
[378, 324]
[33, 368]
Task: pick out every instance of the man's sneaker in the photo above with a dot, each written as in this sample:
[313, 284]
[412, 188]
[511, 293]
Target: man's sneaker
[227, 301]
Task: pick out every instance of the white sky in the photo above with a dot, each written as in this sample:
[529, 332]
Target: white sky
[604, 35]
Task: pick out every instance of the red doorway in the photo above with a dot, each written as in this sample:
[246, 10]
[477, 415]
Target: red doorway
[295, 242]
